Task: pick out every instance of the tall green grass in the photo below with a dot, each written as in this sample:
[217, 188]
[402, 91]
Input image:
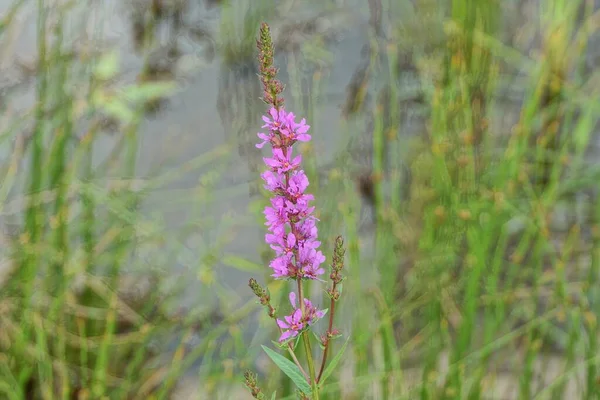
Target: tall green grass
[81, 312]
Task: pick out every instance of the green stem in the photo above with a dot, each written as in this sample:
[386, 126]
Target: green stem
[311, 367]
[307, 349]
[293, 355]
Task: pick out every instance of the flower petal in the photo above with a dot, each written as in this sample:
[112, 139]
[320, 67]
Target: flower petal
[296, 317]
[273, 112]
[291, 240]
[293, 299]
[285, 335]
[282, 324]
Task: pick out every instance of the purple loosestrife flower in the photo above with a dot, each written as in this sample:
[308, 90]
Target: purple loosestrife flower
[307, 230]
[282, 244]
[299, 209]
[293, 231]
[296, 321]
[292, 326]
[283, 129]
[282, 266]
[292, 227]
[297, 184]
[273, 182]
[309, 261]
[276, 216]
[282, 160]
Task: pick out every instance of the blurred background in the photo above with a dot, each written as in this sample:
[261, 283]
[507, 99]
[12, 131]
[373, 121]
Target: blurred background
[454, 147]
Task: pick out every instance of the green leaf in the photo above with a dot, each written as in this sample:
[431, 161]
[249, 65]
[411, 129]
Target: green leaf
[241, 264]
[273, 395]
[290, 369]
[333, 363]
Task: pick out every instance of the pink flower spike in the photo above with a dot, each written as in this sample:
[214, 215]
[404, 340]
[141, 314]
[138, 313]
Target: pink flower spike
[293, 324]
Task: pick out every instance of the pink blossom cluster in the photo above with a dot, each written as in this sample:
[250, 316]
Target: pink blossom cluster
[292, 227]
[297, 321]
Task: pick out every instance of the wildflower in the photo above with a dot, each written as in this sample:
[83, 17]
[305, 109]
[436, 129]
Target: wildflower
[283, 267]
[297, 184]
[297, 321]
[282, 162]
[299, 209]
[282, 244]
[273, 182]
[292, 326]
[306, 230]
[308, 262]
[283, 129]
[276, 215]
[311, 312]
[293, 231]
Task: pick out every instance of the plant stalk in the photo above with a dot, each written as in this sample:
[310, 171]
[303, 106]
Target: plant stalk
[307, 348]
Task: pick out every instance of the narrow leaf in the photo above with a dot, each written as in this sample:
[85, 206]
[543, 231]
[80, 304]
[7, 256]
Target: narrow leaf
[290, 369]
[273, 395]
[333, 363]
